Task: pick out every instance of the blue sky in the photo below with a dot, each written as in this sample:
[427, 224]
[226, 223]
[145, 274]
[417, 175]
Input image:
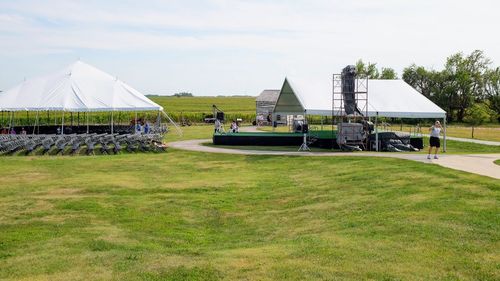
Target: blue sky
[222, 47]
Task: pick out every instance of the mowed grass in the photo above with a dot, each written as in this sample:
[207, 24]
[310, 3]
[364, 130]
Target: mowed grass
[194, 216]
[206, 132]
[191, 132]
[481, 133]
[460, 147]
[490, 132]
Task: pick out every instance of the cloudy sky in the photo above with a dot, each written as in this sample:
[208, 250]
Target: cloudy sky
[226, 47]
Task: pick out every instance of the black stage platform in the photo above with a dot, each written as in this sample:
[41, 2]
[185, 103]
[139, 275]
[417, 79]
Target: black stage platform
[322, 139]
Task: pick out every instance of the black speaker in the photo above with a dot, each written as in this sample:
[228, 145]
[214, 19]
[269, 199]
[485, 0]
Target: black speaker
[305, 128]
[220, 116]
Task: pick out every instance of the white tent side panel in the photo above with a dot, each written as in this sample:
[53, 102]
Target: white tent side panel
[78, 87]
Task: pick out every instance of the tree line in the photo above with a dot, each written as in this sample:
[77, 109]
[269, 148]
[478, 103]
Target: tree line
[468, 87]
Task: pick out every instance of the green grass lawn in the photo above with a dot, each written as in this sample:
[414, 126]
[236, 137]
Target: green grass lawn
[453, 147]
[191, 132]
[205, 132]
[458, 147]
[194, 216]
[267, 148]
[489, 132]
[497, 162]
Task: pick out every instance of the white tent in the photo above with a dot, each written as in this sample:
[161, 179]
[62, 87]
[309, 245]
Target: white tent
[386, 98]
[79, 88]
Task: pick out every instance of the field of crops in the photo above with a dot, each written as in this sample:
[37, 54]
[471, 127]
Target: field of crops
[196, 108]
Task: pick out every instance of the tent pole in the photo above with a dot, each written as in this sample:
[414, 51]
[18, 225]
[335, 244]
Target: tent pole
[179, 131]
[444, 134]
[62, 124]
[36, 122]
[10, 122]
[87, 117]
[272, 120]
[376, 131]
[111, 122]
[135, 123]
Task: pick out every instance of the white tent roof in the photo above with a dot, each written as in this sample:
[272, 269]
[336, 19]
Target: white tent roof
[388, 98]
[78, 87]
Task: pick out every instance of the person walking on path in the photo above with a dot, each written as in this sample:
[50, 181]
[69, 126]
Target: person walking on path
[434, 139]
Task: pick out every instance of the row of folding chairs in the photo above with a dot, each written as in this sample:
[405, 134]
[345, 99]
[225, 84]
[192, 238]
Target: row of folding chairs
[73, 143]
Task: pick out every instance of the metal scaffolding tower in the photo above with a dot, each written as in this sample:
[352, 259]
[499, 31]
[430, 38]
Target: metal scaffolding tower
[349, 107]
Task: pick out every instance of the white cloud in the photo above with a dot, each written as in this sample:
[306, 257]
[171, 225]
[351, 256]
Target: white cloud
[285, 36]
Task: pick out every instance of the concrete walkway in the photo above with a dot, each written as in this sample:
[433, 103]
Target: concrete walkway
[481, 164]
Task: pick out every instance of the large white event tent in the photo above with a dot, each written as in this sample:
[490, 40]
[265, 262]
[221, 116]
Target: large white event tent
[78, 87]
[386, 98]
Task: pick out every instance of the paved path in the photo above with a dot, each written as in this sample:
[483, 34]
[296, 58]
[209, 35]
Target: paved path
[481, 164]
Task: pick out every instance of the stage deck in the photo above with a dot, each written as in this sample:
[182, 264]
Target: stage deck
[324, 139]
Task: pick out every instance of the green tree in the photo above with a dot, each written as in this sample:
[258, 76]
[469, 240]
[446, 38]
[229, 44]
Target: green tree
[388, 74]
[465, 80]
[183, 94]
[476, 115]
[419, 78]
[367, 70]
[492, 89]
[467, 74]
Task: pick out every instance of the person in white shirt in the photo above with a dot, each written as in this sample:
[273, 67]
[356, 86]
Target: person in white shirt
[234, 127]
[434, 139]
[218, 126]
